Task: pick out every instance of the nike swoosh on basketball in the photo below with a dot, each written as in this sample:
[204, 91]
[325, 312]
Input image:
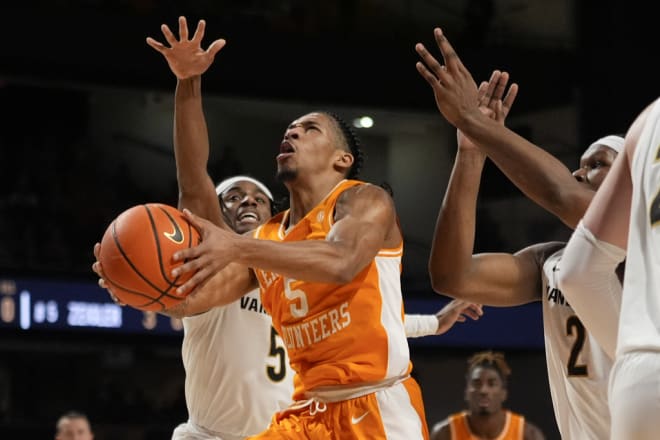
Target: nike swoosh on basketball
[176, 236]
[356, 420]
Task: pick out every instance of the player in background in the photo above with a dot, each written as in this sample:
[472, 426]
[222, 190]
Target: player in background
[73, 425]
[578, 367]
[486, 390]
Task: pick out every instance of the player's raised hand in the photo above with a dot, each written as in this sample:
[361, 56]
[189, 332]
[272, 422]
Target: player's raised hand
[186, 57]
[214, 253]
[456, 93]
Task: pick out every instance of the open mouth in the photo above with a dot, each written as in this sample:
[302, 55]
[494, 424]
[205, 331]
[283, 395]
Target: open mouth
[286, 150]
[248, 217]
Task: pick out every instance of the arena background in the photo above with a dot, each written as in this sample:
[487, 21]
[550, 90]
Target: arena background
[86, 133]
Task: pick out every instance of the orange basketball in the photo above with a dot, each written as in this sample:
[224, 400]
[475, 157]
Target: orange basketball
[136, 255]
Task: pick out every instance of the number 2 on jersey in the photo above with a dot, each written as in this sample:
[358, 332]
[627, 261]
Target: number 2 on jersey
[276, 350]
[573, 324]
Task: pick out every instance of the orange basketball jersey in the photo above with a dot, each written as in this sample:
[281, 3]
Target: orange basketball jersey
[336, 335]
[513, 427]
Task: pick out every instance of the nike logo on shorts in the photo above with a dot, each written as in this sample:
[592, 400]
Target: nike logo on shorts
[356, 420]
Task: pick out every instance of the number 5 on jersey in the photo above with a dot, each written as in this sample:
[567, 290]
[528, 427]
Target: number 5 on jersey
[298, 298]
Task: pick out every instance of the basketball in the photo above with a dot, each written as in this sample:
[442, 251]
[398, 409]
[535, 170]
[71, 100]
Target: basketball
[136, 255]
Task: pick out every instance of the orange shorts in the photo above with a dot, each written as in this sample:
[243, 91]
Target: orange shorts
[396, 412]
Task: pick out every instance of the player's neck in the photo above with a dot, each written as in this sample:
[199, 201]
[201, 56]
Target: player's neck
[304, 195]
[487, 426]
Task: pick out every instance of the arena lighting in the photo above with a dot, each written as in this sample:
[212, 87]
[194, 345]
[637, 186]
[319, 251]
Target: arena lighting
[363, 122]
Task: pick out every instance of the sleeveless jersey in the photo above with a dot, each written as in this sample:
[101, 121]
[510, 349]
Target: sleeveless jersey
[237, 372]
[337, 334]
[578, 369]
[639, 326]
[513, 427]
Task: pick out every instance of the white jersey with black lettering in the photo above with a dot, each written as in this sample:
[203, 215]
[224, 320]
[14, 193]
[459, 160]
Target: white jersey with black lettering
[578, 369]
[237, 370]
[639, 326]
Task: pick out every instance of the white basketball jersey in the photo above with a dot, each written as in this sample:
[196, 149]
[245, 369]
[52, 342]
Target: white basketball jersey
[578, 369]
[237, 370]
[639, 326]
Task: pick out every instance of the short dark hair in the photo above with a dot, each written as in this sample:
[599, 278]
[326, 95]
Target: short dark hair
[352, 143]
[490, 359]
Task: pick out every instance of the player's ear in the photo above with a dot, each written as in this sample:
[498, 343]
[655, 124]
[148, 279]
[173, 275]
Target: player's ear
[343, 161]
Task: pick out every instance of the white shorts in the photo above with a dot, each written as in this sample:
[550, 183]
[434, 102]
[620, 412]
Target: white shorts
[190, 431]
[634, 396]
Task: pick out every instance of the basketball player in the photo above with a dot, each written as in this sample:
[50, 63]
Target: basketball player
[329, 271]
[578, 367]
[624, 215]
[73, 426]
[234, 350]
[485, 392]
[191, 147]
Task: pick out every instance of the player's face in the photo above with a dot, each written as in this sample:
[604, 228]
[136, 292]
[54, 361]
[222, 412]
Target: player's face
[485, 391]
[309, 147]
[245, 206]
[594, 166]
[74, 429]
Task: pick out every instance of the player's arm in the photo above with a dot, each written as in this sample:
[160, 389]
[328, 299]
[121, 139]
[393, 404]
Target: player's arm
[443, 320]
[441, 431]
[539, 175]
[532, 432]
[491, 279]
[223, 288]
[188, 61]
[364, 223]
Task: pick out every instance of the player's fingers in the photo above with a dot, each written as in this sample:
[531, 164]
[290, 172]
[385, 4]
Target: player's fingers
[450, 56]
[500, 86]
[156, 44]
[510, 97]
[215, 47]
[97, 250]
[98, 270]
[481, 92]
[460, 318]
[490, 88]
[167, 33]
[199, 223]
[183, 29]
[194, 281]
[199, 32]
[430, 62]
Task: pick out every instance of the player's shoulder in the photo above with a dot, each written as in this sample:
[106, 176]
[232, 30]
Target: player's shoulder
[442, 430]
[541, 252]
[358, 192]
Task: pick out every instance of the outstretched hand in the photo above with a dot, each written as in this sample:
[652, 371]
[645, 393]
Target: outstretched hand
[492, 103]
[457, 311]
[216, 251]
[186, 57]
[456, 94]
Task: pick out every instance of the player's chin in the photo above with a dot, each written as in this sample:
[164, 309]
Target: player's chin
[286, 174]
[246, 225]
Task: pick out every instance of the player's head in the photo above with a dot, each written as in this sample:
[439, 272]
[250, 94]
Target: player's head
[596, 161]
[73, 426]
[319, 143]
[245, 202]
[486, 382]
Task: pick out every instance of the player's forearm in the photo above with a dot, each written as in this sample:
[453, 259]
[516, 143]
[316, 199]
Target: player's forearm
[225, 287]
[453, 240]
[538, 174]
[314, 260]
[191, 142]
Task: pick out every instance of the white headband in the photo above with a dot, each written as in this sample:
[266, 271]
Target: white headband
[227, 183]
[612, 141]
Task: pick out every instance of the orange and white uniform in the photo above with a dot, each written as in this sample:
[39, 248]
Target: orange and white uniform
[514, 427]
[346, 342]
